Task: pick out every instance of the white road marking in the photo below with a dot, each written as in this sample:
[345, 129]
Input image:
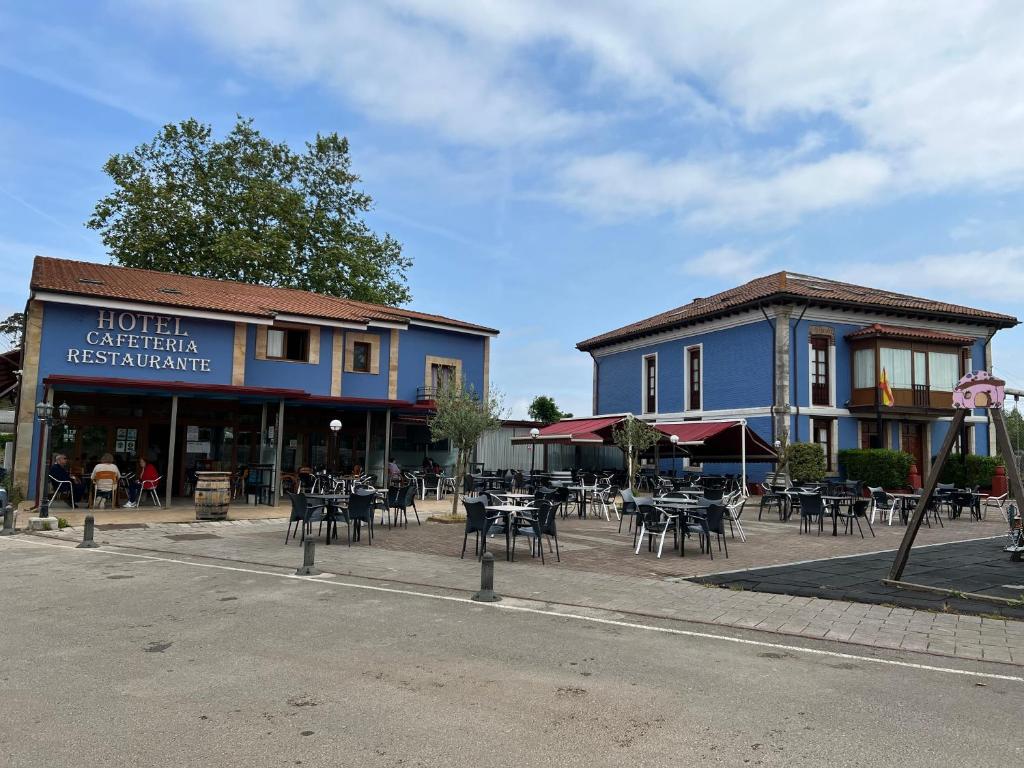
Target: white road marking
[320, 579]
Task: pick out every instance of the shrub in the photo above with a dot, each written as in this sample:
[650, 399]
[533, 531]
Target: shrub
[62, 522]
[976, 471]
[877, 467]
[806, 462]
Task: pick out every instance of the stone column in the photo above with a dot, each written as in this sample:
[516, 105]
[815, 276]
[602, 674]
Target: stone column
[26, 415]
[782, 371]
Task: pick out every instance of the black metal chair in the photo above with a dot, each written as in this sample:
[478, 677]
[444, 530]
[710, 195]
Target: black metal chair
[297, 517]
[653, 521]
[361, 504]
[714, 522]
[535, 528]
[811, 507]
[628, 510]
[478, 521]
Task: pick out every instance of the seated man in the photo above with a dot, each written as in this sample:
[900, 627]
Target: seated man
[394, 471]
[59, 473]
[104, 486]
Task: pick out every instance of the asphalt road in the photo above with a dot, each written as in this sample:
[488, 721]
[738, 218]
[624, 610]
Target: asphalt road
[111, 660]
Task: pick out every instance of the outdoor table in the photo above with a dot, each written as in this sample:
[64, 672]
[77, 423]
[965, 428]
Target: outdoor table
[516, 496]
[329, 500]
[581, 492]
[508, 513]
[833, 503]
[905, 499]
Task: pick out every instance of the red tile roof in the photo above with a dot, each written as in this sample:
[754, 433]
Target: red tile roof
[796, 288]
[878, 330]
[83, 278]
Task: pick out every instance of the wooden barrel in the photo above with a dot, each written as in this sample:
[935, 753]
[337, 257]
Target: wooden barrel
[213, 495]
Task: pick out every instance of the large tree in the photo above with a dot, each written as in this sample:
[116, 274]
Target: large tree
[11, 328]
[245, 208]
[544, 409]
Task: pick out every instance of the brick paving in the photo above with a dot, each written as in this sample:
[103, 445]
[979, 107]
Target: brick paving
[599, 571]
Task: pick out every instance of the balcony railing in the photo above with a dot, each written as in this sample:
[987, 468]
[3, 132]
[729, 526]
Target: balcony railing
[922, 396]
[820, 394]
[425, 394]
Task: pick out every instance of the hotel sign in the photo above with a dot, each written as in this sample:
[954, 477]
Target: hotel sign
[139, 340]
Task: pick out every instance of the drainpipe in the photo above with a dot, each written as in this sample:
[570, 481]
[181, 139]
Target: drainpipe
[796, 373]
[775, 393]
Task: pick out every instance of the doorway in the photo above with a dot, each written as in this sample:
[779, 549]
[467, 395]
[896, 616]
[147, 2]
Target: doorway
[912, 442]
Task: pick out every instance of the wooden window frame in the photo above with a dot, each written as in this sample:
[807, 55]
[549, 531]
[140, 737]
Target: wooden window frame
[312, 342]
[351, 338]
[830, 427]
[645, 372]
[356, 347]
[821, 343]
[694, 392]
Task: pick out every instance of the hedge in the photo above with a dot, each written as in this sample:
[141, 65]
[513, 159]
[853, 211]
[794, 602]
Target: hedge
[806, 462]
[976, 472]
[877, 467]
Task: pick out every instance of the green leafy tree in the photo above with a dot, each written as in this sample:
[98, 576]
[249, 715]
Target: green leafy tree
[462, 417]
[245, 208]
[633, 437]
[11, 328]
[545, 410]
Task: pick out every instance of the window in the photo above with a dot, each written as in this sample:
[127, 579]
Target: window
[361, 351]
[651, 384]
[896, 364]
[821, 433]
[869, 435]
[966, 363]
[288, 344]
[943, 368]
[441, 375]
[820, 389]
[920, 369]
[694, 378]
[864, 369]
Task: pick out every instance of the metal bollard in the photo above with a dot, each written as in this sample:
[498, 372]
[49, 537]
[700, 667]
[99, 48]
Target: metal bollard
[486, 593]
[44, 509]
[308, 553]
[88, 533]
[8, 529]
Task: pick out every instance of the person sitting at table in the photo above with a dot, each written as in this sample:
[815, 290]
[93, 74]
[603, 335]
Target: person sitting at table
[105, 486]
[428, 464]
[147, 475]
[59, 473]
[394, 471]
[357, 470]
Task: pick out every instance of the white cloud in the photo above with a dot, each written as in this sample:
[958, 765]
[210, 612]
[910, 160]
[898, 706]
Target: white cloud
[726, 262]
[717, 193]
[991, 278]
[789, 108]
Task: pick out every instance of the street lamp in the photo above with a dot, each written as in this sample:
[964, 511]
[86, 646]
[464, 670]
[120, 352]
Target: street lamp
[534, 434]
[45, 413]
[335, 426]
[674, 439]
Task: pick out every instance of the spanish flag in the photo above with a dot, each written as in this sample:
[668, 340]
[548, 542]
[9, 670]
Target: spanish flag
[886, 390]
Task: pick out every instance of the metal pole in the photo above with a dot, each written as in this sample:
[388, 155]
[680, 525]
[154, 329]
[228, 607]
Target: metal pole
[88, 533]
[308, 555]
[44, 470]
[171, 444]
[275, 479]
[8, 529]
[487, 593]
[366, 454]
[743, 455]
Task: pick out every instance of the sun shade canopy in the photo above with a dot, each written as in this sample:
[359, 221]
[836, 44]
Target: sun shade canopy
[595, 430]
[717, 440]
[704, 440]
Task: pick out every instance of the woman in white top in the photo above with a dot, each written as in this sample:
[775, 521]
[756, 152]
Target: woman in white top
[105, 485]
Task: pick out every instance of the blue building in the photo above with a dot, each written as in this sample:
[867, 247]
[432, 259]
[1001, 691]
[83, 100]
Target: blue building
[802, 356]
[196, 373]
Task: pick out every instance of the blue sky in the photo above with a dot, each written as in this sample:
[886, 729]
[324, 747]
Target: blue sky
[556, 170]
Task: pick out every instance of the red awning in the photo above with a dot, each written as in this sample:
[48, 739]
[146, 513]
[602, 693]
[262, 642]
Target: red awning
[584, 431]
[718, 440]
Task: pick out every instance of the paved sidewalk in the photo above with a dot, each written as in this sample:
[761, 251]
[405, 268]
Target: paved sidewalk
[877, 626]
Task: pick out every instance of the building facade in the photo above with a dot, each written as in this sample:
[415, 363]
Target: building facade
[195, 374]
[803, 357]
